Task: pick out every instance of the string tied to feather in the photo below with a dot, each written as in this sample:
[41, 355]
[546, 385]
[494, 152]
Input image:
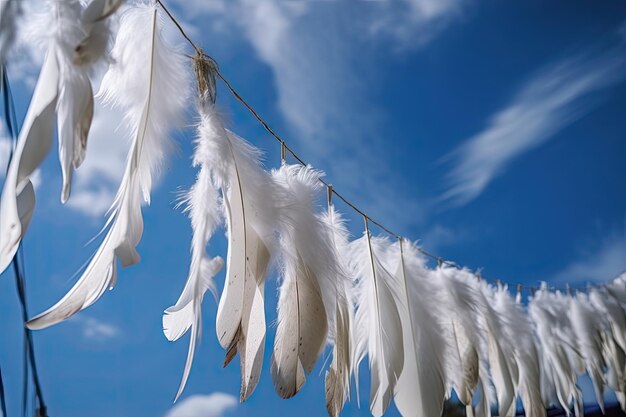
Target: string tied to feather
[205, 69]
[329, 188]
[283, 153]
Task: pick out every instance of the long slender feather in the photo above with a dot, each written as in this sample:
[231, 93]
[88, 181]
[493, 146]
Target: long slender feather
[63, 87]
[378, 328]
[589, 340]
[518, 330]
[421, 388]
[501, 361]
[35, 139]
[310, 269]
[337, 379]
[464, 339]
[549, 313]
[247, 194]
[204, 208]
[148, 80]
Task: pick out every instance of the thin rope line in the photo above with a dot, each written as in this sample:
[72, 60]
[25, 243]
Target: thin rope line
[284, 146]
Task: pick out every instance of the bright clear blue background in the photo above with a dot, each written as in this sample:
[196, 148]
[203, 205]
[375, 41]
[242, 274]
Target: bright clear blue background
[387, 100]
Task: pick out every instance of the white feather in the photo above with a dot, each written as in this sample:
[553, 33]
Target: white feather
[307, 293]
[588, 338]
[608, 306]
[337, 379]
[378, 328]
[421, 388]
[519, 332]
[466, 344]
[147, 80]
[63, 86]
[204, 211]
[249, 205]
[549, 313]
[35, 139]
[503, 368]
[76, 104]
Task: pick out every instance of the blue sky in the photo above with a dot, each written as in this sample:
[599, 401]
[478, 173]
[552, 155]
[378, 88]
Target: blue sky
[492, 131]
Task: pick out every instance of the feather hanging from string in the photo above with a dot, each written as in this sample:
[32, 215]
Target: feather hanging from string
[588, 338]
[337, 379]
[614, 341]
[518, 330]
[377, 328]
[501, 362]
[35, 139]
[421, 388]
[310, 269]
[86, 38]
[608, 306]
[63, 86]
[205, 212]
[463, 336]
[148, 80]
[549, 311]
[248, 198]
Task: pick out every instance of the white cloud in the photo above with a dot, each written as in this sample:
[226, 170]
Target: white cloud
[439, 236]
[600, 265]
[95, 182]
[216, 404]
[413, 23]
[323, 80]
[94, 329]
[546, 104]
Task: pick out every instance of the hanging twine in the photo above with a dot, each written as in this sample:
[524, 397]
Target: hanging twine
[209, 73]
[205, 69]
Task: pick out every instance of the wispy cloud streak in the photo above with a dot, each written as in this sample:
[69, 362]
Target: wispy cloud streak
[550, 101]
[601, 265]
[216, 404]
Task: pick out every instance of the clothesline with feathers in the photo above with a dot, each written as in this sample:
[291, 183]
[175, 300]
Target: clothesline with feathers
[284, 148]
[426, 333]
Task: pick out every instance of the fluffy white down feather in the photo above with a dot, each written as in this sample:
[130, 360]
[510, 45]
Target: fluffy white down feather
[148, 81]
